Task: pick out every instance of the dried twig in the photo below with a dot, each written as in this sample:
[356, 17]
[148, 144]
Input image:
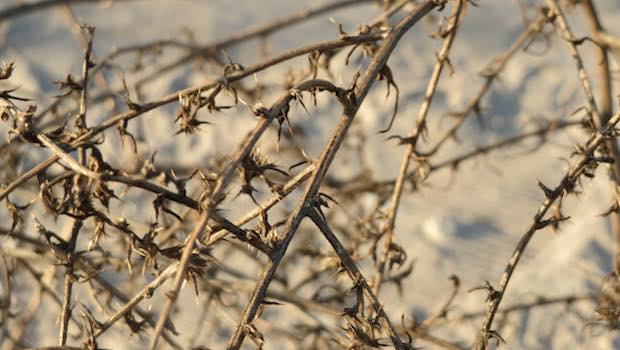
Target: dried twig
[193, 238]
[216, 195]
[141, 109]
[606, 109]
[356, 275]
[566, 186]
[350, 109]
[418, 129]
[29, 7]
[146, 292]
[491, 73]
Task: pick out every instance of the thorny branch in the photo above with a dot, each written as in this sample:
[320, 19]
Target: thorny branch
[355, 274]
[566, 186]
[490, 74]
[217, 194]
[261, 31]
[606, 110]
[442, 60]
[138, 110]
[350, 107]
[80, 123]
[191, 237]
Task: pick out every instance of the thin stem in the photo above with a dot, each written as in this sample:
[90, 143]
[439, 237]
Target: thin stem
[78, 184]
[491, 73]
[61, 154]
[261, 30]
[365, 186]
[565, 186]
[606, 109]
[234, 39]
[223, 223]
[22, 9]
[355, 274]
[521, 306]
[146, 292]
[567, 35]
[217, 235]
[65, 314]
[83, 263]
[541, 132]
[442, 60]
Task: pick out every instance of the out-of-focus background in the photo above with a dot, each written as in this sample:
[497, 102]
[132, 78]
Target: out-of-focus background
[464, 223]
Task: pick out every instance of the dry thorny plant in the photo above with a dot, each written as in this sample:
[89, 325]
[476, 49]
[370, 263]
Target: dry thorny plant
[66, 241]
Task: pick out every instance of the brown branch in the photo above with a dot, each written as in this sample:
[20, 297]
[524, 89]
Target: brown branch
[80, 122]
[61, 154]
[491, 73]
[65, 314]
[173, 97]
[216, 235]
[261, 30]
[542, 132]
[355, 274]
[606, 109]
[78, 28]
[85, 264]
[146, 292]
[223, 223]
[217, 194]
[22, 9]
[323, 163]
[420, 126]
[201, 224]
[125, 299]
[565, 186]
[235, 38]
[45, 287]
[382, 18]
[521, 306]
[6, 295]
[286, 296]
[608, 39]
[565, 32]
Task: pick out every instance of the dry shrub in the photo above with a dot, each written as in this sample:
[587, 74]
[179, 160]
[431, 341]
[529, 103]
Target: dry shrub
[68, 240]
